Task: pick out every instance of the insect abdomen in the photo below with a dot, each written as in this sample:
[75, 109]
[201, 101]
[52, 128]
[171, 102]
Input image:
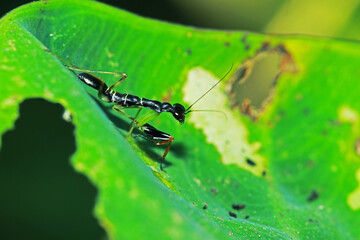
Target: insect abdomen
[91, 80]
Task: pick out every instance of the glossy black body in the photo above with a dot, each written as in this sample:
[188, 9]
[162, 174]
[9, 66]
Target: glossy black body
[128, 100]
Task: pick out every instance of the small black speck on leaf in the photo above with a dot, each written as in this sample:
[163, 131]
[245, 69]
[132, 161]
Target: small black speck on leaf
[306, 111]
[313, 196]
[250, 162]
[238, 206]
[265, 46]
[214, 191]
[244, 38]
[281, 113]
[247, 217]
[232, 214]
[205, 206]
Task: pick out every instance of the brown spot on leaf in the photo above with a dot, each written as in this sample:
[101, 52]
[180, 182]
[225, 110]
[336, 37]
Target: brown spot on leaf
[264, 47]
[299, 97]
[247, 109]
[167, 98]
[357, 146]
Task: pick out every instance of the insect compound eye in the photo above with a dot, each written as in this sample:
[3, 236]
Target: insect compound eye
[179, 112]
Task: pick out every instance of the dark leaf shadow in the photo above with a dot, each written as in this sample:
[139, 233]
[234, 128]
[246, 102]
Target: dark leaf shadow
[42, 196]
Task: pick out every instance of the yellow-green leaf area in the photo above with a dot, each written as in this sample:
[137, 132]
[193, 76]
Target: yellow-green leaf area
[285, 168]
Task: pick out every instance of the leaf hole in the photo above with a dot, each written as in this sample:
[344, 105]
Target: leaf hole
[42, 196]
[252, 86]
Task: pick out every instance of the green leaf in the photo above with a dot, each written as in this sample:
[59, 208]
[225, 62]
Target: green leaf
[289, 157]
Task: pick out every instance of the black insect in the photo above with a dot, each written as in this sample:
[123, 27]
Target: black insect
[125, 100]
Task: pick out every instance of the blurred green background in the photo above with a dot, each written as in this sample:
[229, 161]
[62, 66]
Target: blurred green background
[328, 18]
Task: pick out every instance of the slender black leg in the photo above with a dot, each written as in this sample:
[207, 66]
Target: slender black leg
[118, 108]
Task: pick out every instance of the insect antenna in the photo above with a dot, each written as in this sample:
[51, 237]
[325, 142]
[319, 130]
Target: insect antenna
[188, 109]
[217, 111]
[73, 67]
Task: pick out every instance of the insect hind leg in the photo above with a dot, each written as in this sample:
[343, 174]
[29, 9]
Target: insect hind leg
[159, 138]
